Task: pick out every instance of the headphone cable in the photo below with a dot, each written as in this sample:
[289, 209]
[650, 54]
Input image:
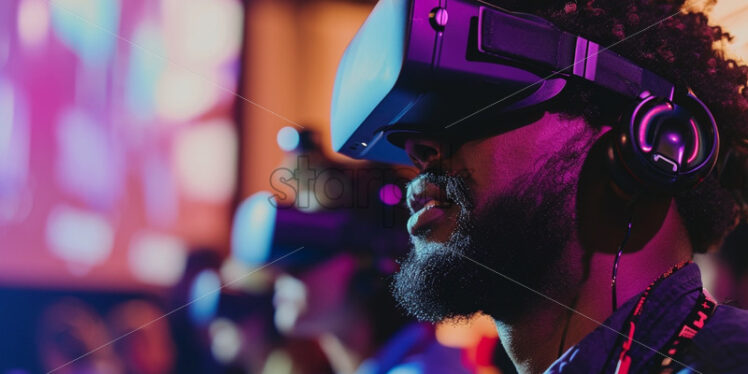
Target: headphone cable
[618, 258]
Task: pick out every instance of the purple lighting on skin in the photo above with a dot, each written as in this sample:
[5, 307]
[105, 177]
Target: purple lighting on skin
[390, 194]
[645, 124]
[696, 142]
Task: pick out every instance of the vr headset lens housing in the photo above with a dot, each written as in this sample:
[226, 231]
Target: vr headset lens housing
[368, 70]
[409, 70]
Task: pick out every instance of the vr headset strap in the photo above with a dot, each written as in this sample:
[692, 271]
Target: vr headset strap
[545, 47]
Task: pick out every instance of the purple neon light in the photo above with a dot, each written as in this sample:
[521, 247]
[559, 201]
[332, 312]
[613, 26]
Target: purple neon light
[696, 144]
[680, 154]
[645, 124]
[390, 194]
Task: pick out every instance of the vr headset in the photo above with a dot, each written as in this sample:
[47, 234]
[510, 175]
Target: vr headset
[429, 66]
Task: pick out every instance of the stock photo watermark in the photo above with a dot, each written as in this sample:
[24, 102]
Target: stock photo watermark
[369, 189]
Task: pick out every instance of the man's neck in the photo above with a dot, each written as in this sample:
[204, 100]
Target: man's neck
[533, 341]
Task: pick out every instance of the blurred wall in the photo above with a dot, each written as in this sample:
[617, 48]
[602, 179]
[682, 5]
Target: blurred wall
[731, 15]
[292, 53]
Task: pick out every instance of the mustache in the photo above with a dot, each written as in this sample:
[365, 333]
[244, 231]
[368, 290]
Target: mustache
[454, 187]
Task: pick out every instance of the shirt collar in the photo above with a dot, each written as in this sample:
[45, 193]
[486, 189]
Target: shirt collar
[665, 309]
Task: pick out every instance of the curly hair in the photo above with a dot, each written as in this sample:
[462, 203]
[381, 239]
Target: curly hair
[676, 41]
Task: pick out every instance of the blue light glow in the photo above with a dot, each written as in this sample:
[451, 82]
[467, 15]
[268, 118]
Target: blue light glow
[288, 138]
[204, 296]
[253, 229]
[408, 368]
[88, 27]
[144, 70]
[369, 68]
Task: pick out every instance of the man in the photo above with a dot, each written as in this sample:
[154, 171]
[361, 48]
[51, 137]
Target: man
[525, 224]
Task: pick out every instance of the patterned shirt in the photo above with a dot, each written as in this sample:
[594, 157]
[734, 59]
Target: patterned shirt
[721, 346]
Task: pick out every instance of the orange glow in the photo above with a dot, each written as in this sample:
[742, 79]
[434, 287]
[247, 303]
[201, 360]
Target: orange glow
[466, 334]
[476, 337]
[292, 55]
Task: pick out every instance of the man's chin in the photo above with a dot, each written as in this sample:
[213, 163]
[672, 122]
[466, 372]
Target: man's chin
[430, 282]
[478, 268]
[430, 243]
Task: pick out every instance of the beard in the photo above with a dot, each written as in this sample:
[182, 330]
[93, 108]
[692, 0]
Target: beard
[498, 254]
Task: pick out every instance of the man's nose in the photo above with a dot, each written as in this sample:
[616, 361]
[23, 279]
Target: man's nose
[425, 153]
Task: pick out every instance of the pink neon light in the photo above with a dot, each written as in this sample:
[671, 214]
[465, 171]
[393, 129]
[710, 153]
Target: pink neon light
[645, 123]
[390, 194]
[696, 145]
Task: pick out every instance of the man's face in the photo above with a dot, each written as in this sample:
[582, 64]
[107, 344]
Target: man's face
[490, 218]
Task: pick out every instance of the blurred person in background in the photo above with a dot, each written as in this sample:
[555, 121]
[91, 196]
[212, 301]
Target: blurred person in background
[190, 339]
[342, 304]
[143, 337]
[74, 339]
[223, 329]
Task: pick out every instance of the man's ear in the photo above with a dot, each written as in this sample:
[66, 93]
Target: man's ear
[603, 208]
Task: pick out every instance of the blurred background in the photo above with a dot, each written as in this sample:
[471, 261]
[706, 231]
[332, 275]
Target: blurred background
[169, 201]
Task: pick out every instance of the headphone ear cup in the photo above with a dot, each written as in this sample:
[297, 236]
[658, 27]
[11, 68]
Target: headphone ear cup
[663, 147]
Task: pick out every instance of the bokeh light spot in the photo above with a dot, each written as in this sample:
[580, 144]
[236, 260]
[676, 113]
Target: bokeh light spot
[14, 141]
[88, 165]
[253, 229]
[390, 194]
[182, 95]
[33, 22]
[226, 340]
[205, 157]
[144, 69]
[16, 198]
[88, 27]
[291, 301]
[205, 294]
[288, 138]
[157, 258]
[79, 236]
[203, 34]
